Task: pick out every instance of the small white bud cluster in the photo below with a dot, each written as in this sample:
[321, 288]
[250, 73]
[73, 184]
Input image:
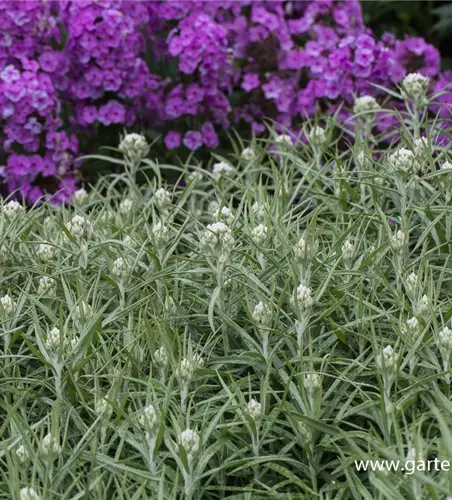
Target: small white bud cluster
[317, 136]
[134, 147]
[195, 176]
[161, 234]
[284, 139]
[82, 311]
[189, 440]
[423, 306]
[415, 87]
[387, 359]
[420, 146]
[259, 234]
[445, 340]
[404, 159]
[221, 169]
[120, 268]
[45, 252]
[259, 211]
[28, 494]
[162, 199]
[348, 251]
[79, 227]
[148, 419]
[398, 241]
[248, 154]
[54, 339]
[254, 409]
[412, 327]
[47, 286]
[366, 104]
[22, 454]
[303, 298]
[12, 209]
[188, 367]
[161, 357]
[50, 446]
[411, 282]
[262, 314]
[224, 214]
[302, 249]
[445, 179]
[312, 382]
[7, 305]
[126, 207]
[80, 196]
[218, 240]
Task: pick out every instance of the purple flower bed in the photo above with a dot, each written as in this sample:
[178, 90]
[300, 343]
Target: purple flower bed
[188, 69]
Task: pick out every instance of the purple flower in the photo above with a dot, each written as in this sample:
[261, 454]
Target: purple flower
[10, 74]
[49, 61]
[193, 140]
[112, 112]
[210, 137]
[40, 99]
[172, 140]
[250, 82]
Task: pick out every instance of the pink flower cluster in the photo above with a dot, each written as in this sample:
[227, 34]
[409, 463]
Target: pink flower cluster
[188, 69]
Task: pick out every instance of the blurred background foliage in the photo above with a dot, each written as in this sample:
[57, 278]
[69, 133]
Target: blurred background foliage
[426, 18]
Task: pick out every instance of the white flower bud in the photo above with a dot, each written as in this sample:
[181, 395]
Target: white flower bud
[28, 494]
[365, 104]
[259, 234]
[195, 176]
[79, 227]
[120, 269]
[262, 314]
[218, 240]
[317, 136]
[80, 196]
[134, 147]
[7, 305]
[45, 252]
[415, 87]
[126, 207]
[189, 440]
[221, 169]
[411, 283]
[420, 146]
[302, 249]
[412, 327]
[82, 311]
[161, 234]
[348, 250]
[148, 418]
[12, 209]
[445, 339]
[54, 339]
[259, 211]
[103, 408]
[403, 159]
[224, 214]
[22, 454]
[398, 241]
[312, 382]
[187, 368]
[303, 298]
[284, 139]
[161, 357]
[387, 360]
[50, 446]
[162, 198]
[423, 306]
[47, 286]
[254, 409]
[248, 154]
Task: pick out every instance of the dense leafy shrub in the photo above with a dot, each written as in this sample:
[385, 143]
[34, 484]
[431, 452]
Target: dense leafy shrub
[249, 332]
[188, 70]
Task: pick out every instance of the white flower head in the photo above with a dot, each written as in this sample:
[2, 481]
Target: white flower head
[254, 409]
[404, 159]
[162, 199]
[188, 366]
[420, 146]
[387, 359]
[423, 306]
[262, 314]
[22, 454]
[446, 167]
[302, 249]
[134, 147]
[161, 234]
[7, 305]
[415, 87]
[221, 169]
[218, 240]
[80, 196]
[259, 211]
[411, 282]
[224, 214]
[317, 136]
[126, 206]
[120, 269]
[45, 252]
[148, 418]
[189, 440]
[82, 311]
[412, 327]
[312, 382]
[50, 446]
[348, 250]
[195, 176]
[12, 209]
[47, 286]
[28, 494]
[161, 357]
[303, 297]
[54, 339]
[248, 154]
[284, 139]
[445, 339]
[259, 234]
[79, 227]
[366, 104]
[398, 240]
